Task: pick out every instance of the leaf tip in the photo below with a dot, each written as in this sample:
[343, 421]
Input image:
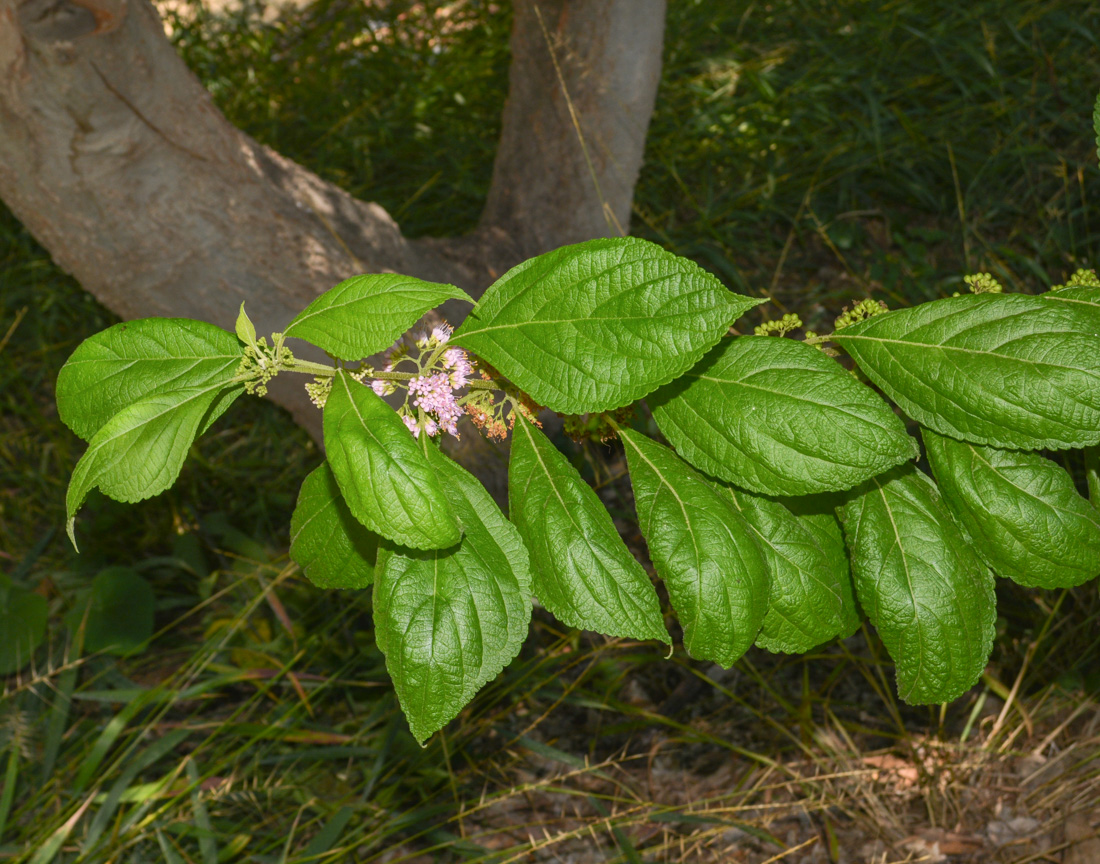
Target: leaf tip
[70, 529]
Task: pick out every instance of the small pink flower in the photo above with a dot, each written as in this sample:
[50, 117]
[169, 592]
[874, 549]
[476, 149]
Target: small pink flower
[412, 425]
[442, 333]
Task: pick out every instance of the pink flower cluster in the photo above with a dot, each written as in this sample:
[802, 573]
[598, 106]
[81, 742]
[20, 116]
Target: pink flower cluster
[435, 395]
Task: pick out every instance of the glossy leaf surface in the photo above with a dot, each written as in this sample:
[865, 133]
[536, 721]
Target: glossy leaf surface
[1026, 519]
[778, 417]
[449, 620]
[135, 359]
[383, 476]
[923, 588]
[805, 606]
[583, 572]
[1086, 296]
[599, 324]
[707, 555]
[1001, 369]
[333, 549]
[366, 314]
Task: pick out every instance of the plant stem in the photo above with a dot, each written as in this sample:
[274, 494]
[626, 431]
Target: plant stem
[1092, 474]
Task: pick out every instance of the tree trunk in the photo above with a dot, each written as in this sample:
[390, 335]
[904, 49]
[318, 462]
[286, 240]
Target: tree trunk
[115, 158]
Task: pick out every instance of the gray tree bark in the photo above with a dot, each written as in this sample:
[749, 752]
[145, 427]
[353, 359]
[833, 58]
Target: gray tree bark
[115, 158]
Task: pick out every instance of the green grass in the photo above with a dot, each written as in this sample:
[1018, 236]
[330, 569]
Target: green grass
[913, 142]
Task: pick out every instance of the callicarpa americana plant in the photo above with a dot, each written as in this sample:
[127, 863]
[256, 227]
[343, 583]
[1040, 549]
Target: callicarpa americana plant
[784, 508]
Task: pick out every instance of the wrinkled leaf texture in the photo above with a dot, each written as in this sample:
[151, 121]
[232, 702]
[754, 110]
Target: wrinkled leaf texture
[717, 577]
[599, 324]
[448, 621]
[383, 476]
[1022, 511]
[1006, 370]
[583, 572]
[365, 314]
[778, 417]
[922, 586]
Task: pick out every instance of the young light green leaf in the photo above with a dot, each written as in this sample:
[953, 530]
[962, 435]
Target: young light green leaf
[707, 555]
[599, 324]
[1007, 370]
[23, 617]
[365, 314]
[124, 363]
[778, 417]
[818, 514]
[449, 620]
[1026, 519]
[326, 541]
[921, 585]
[117, 612]
[583, 572]
[805, 607]
[246, 330]
[383, 476]
[139, 452]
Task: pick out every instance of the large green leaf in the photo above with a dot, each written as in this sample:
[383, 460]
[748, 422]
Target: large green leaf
[599, 324]
[139, 452]
[22, 625]
[707, 555]
[449, 621]
[1001, 369]
[779, 417]
[806, 602]
[364, 314]
[1085, 296]
[583, 572]
[326, 541]
[124, 363]
[117, 612]
[921, 585]
[383, 476]
[818, 514]
[1022, 511]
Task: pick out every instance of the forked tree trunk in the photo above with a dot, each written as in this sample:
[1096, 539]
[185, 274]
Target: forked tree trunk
[115, 158]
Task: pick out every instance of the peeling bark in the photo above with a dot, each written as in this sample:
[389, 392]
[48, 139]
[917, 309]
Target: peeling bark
[115, 158]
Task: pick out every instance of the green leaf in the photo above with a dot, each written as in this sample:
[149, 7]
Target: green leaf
[331, 547]
[1092, 475]
[599, 324]
[583, 572]
[921, 585]
[365, 314]
[246, 330]
[129, 361]
[1022, 511]
[139, 452]
[1085, 296]
[22, 625]
[383, 476]
[818, 514]
[707, 555]
[117, 612]
[806, 602]
[779, 417]
[1001, 369]
[449, 620]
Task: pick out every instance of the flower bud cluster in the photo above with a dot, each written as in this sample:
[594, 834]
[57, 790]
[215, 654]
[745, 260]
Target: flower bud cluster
[261, 363]
[780, 327]
[861, 311]
[982, 283]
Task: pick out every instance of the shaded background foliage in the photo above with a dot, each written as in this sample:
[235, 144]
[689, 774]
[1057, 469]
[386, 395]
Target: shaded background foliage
[813, 151]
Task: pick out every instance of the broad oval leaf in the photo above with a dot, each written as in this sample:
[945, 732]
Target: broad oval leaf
[365, 314]
[921, 585]
[449, 620]
[383, 476]
[1026, 519]
[805, 607]
[778, 417]
[818, 514]
[1007, 370]
[117, 612]
[114, 368]
[583, 572]
[332, 548]
[707, 555]
[139, 452]
[599, 324]
[23, 617]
